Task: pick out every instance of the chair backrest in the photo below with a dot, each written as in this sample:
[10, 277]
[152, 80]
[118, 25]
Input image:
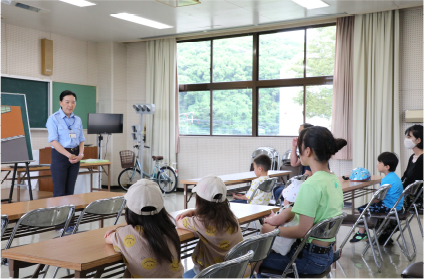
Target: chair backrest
[266, 186]
[328, 228]
[412, 189]
[325, 229]
[381, 193]
[107, 206]
[271, 153]
[43, 218]
[4, 223]
[229, 269]
[260, 244]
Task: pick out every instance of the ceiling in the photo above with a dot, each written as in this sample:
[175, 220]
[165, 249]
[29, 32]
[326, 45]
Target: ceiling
[95, 24]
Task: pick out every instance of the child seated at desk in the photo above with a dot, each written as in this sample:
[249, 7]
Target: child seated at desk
[149, 244]
[213, 222]
[261, 165]
[387, 163]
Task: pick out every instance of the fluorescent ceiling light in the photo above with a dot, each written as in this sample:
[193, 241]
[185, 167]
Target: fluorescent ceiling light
[140, 20]
[79, 3]
[311, 4]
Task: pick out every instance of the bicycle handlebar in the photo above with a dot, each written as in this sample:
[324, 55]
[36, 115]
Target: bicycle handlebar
[137, 146]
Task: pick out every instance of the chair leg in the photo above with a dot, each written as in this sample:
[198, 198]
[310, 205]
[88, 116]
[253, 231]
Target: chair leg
[55, 272]
[406, 251]
[45, 271]
[418, 220]
[371, 244]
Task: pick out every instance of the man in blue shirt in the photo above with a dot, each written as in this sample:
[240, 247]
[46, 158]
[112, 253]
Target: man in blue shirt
[67, 139]
[387, 163]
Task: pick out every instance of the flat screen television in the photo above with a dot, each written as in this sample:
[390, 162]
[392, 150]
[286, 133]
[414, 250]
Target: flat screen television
[105, 123]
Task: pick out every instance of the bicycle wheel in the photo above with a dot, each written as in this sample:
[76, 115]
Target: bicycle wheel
[128, 177]
[167, 179]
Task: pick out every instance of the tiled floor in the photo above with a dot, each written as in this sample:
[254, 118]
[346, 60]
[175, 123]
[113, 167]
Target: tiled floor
[351, 265]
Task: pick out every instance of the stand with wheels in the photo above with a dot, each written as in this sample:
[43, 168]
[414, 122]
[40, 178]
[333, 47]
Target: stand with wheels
[137, 129]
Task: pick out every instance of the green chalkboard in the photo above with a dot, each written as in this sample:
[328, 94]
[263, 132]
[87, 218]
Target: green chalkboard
[37, 98]
[86, 99]
[17, 100]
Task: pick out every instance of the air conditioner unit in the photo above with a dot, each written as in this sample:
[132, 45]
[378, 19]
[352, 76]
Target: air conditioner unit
[24, 6]
[414, 116]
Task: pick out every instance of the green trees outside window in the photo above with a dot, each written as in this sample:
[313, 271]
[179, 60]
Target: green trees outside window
[296, 95]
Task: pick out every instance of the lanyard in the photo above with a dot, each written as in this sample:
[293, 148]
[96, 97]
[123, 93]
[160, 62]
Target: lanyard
[69, 126]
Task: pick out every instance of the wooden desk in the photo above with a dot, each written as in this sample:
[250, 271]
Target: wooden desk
[87, 252]
[352, 190]
[24, 194]
[90, 166]
[15, 210]
[231, 179]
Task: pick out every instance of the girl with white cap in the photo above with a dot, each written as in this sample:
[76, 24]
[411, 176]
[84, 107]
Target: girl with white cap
[149, 244]
[213, 222]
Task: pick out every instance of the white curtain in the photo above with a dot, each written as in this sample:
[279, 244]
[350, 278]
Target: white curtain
[375, 89]
[161, 91]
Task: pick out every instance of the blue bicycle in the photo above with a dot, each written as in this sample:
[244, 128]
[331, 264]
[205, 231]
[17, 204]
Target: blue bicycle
[163, 174]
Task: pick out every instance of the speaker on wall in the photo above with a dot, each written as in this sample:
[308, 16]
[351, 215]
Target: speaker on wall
[46, 57]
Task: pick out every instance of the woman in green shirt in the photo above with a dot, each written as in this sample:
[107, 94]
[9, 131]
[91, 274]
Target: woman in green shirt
[319, 198]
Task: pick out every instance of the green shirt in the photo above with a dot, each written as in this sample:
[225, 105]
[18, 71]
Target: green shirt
[320, 197]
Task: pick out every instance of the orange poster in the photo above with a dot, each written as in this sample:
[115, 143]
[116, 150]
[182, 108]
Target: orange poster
[11, 122]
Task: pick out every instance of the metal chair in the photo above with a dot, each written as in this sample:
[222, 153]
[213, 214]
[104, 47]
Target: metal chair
[234, 268]
[4, 223]
[59, 216]
[259, 244]
[110, 206]
[414, 270]
[266, 186]
[104, 207]
[413, 210]
[302, 177]
[400, 216]
[365, 220]
[325, 229]
[270, 152]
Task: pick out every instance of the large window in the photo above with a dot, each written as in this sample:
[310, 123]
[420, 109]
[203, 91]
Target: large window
[261, 84]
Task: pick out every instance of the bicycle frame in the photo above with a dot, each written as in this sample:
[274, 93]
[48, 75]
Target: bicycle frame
[156, 170]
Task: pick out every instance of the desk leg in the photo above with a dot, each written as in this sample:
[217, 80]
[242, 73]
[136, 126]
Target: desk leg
[91, 181]
[80, 274]
[353, 202]
[14, 268]
[185, 196]
[108, 178]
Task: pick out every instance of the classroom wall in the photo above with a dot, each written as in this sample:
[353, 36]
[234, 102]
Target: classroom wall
[80, 62]
[411, 70]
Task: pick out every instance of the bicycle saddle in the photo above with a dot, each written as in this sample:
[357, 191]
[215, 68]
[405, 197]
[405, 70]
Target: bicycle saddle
[157, 158]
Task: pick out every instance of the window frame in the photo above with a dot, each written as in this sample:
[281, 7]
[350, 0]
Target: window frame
[255, 83]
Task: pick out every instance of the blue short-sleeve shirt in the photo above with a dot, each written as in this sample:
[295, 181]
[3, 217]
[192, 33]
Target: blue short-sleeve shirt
[394, 192]
[60, 127]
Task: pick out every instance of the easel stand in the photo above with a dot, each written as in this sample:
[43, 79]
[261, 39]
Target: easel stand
[15, 169]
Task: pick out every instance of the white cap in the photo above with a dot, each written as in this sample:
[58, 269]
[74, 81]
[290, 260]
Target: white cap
[210, 186]
[142, 194]
[291, 191]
